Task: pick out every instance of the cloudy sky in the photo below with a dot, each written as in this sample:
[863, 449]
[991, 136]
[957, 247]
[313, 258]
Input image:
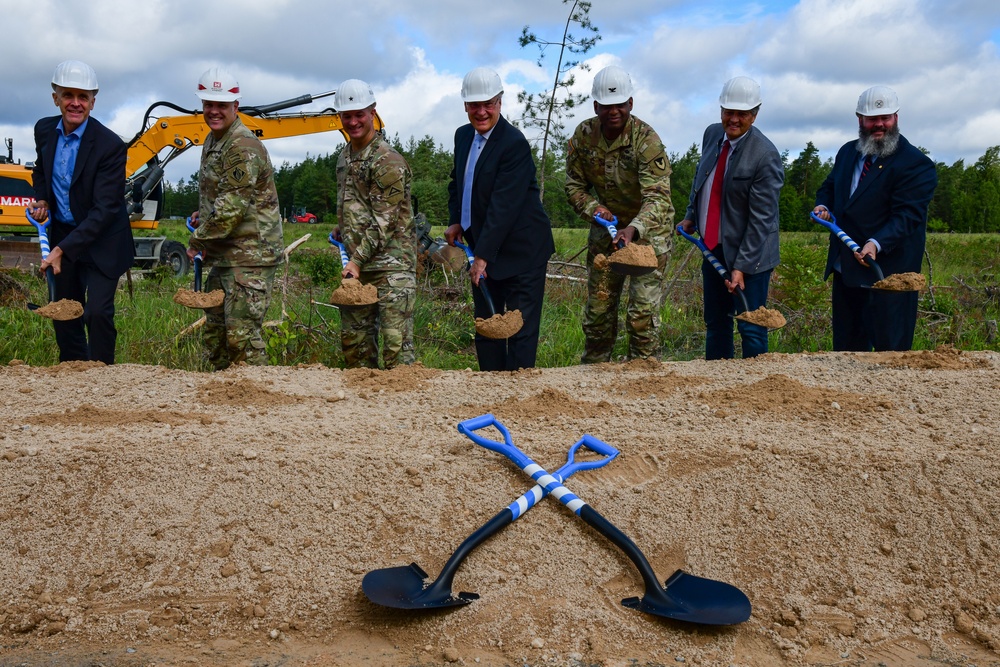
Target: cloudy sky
[812, 57]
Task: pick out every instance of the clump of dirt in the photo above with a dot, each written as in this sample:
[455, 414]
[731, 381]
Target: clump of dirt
[944, 357]
[763, 317]
[90, 416]
[353, 293]
[501, 325]
[61, 310]
[241, 392]
[902, 282]
[601, 263]
[190, 299]
[638, 255]
[11, 292]
[548, 403]
[657, 385]
[400, 378]
[780, 394]
[74, 366]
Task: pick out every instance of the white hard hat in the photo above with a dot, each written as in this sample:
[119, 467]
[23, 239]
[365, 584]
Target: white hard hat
[878, 101]
[481, 84]
[612, 85]
[740, 93]
[74, 74]
[352, 95]
[218, 85]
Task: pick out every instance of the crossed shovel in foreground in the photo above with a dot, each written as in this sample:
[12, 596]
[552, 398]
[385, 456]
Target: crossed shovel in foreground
[683, 596]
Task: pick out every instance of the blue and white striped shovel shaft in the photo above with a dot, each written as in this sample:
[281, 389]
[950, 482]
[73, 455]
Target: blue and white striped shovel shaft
[344, 259]
[43, 237]
[547, 483]
[837, 231]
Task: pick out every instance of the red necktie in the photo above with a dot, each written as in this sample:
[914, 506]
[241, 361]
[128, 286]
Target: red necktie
[865, 167]
[715, 200]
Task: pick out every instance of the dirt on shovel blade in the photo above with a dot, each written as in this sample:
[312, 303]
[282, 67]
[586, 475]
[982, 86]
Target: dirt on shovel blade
[763, 317]
[634, 254]
[501, 325]
[62, 310]
[902, 282]
[352, 293]
[186, 297]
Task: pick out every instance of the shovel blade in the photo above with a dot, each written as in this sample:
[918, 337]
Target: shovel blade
[686, 597]
[406, 587]
[631, 269]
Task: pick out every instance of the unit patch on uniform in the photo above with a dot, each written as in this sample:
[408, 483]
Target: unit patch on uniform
[238, 176]
[660, 163]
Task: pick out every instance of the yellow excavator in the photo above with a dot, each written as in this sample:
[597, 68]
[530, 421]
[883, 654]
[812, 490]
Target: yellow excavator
[160, 140]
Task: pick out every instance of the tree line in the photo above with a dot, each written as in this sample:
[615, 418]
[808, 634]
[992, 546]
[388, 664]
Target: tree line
[967, 198]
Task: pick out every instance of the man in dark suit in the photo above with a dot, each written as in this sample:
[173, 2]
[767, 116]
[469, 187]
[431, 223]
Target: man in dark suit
[79, 180]
[734, 205]
[494, 204]
[879, 191]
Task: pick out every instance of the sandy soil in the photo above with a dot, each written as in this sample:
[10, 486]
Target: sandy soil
[151, 516]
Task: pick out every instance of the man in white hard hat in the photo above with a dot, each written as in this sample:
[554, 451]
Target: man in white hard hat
[79, 182]
[617, 167]
[734, 207]
[238, 226]
[375, 220]
[879, 191]
[494, 204]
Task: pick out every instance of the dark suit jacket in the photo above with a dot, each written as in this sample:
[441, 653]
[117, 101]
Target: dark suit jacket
[750, 190]
[96, 196]
[890, 206]
[509, 227]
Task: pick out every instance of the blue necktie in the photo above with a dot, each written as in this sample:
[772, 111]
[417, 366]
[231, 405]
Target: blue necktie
[470, 171]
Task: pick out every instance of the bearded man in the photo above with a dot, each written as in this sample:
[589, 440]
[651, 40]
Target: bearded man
[879, 191]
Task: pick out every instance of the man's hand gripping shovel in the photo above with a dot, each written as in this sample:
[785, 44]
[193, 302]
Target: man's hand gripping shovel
[65, 309]
[497, 326]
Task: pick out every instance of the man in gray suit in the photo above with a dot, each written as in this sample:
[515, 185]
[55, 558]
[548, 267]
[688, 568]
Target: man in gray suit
[734, 204]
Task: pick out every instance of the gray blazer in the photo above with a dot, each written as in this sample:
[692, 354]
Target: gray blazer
[750, 189]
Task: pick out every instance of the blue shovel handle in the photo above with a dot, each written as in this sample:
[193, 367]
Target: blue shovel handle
[344, 259]
[831, 224]
[43, 243]
[482, 283]
[611, 226]
[714, 261]
[549, 483]
[507, 448]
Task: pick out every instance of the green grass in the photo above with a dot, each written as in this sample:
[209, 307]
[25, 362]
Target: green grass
[960, 309]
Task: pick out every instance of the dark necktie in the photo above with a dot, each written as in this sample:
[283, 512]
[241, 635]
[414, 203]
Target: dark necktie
[864, 168]
[715, 200]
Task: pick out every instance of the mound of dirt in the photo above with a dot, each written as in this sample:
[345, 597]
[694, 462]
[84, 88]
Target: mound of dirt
[902, 282]
[501, 325]
[190, 299]
[353, 293]
[155, 516]
[634, 254]
[62, 310]
[764, 317]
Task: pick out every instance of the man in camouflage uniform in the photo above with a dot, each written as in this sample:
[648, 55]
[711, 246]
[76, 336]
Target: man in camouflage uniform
[616, 166]
[377, 229]
[238, 226]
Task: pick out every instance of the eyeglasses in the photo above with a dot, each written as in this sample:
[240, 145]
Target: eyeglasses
[488, 105]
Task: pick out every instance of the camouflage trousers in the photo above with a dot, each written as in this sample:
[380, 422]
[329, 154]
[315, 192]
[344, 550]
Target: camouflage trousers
[600, 314]
[392, 315]
[233, 330]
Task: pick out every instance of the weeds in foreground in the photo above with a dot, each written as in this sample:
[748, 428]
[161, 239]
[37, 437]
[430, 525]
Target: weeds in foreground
[961, 309]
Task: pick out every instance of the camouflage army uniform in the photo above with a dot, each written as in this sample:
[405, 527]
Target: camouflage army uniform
[239, 230]
[630, 177]
[376, 224]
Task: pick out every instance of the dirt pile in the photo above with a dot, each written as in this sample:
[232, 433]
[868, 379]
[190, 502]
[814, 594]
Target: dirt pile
[190, 299]
[902, 282]
[63, 309]
[353, 293]
[154, 516]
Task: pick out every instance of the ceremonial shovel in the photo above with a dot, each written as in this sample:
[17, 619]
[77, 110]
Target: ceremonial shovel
[683, 597]
[406, 587]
